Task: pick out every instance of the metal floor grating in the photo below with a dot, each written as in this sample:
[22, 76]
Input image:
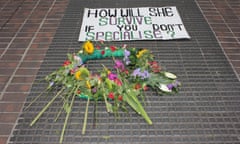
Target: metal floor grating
[207, 109]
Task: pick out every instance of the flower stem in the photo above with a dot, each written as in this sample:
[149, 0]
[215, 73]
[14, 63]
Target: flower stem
[94, 114]
[59, 113]
[108, 105]
[66, 120]
[46, 107]
[34, 100]
[85, 118]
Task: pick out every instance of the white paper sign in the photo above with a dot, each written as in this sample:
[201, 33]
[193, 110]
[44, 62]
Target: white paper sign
[121, 24]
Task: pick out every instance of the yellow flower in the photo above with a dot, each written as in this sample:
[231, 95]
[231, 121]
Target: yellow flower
[88, 47]
[140, 53]
[82, 73]
[88, 85]
[78, 75]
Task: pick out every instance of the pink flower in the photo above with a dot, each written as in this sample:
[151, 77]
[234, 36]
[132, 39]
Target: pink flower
[119, 65]
[112, 76]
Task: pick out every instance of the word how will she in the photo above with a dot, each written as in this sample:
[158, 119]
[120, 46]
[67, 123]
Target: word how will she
[129, 12]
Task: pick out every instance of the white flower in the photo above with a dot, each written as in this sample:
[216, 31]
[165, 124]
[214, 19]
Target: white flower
[164, 88]
[170, 75]
[78, 60]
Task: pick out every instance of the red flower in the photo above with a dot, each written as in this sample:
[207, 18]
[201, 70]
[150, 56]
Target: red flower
[102, 52]
[156, 70]
[113, 48]
[98, 47]
[111, 95]
[137, 86]
[145, 88]
[120, 98]
[66, 63]
[73, 71]
[155, 67]
[126, 72]
[118, 81]
[78, 92]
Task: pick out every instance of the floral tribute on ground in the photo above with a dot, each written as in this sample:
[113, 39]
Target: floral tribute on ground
[134, 72]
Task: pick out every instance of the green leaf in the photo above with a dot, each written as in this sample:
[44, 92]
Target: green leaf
[132, 100]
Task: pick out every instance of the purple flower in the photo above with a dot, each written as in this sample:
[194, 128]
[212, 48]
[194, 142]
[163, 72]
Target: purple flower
[143, 75]
[127, 61]
[136, 72]
[112, 76]
[119, 65]
[170, 86]
[176, 83]
[126, 53]
[94, 90]
[51, 84]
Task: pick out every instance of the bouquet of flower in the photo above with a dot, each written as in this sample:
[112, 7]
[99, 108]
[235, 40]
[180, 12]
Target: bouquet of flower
[134, 72]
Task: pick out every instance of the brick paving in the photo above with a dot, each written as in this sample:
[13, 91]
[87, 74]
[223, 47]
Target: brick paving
[27, 28]
[223, 17]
